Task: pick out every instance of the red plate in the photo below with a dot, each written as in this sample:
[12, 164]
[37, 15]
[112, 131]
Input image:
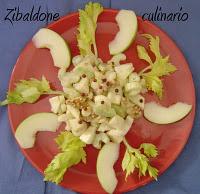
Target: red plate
[170, 139]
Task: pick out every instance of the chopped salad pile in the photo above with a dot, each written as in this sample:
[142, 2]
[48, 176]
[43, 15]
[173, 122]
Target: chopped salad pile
[101, 97]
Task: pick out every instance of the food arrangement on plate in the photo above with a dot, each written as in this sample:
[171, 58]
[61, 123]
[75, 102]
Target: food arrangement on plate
[100, 100]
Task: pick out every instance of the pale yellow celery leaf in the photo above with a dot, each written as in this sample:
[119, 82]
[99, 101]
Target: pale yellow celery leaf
[87, 28]
[153, 172]
[61, 162]
[150, 150]
[131, 165]
[84, 36]
[135, 159]
[142, 164]
[154, 84]
[142, 54]
[42, 85]
[27, 91]
[154, 44]
[93, 10]
[126, 160]
[72, 153]
[163, 67]
[66, 140]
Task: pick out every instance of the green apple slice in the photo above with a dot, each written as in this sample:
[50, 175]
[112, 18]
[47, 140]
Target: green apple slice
[60, 52]
[127, 22]
[164, 115]
[107, 157]
[26, 131]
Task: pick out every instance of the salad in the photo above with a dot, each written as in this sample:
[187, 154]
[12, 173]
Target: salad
[100, 99]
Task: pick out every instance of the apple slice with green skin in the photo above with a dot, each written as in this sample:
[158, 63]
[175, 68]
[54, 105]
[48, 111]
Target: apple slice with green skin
[127, 22]
[159, 114]
[26, 131]
[106, 159]
[60, 52]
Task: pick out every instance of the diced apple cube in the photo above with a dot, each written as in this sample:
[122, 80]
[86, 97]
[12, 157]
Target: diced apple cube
[62, 99]
[114, 98]
[74, 111]
[133, 93]
[117, 122]
[55, 104]
[138, 100]
[84, 69]
[134, 77]
[69, 78]
[89, 135]
[71, 92]
[115, 136]
[118, 135]
[98, 75]
[63, 107]
[104, 127]
[127, 124]
[69, 115]
[77, 127]
[133, 86]
[99, 139]
[102, 100]
[123, 71]
[111, 76]
[82, 86]
[94, 85]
